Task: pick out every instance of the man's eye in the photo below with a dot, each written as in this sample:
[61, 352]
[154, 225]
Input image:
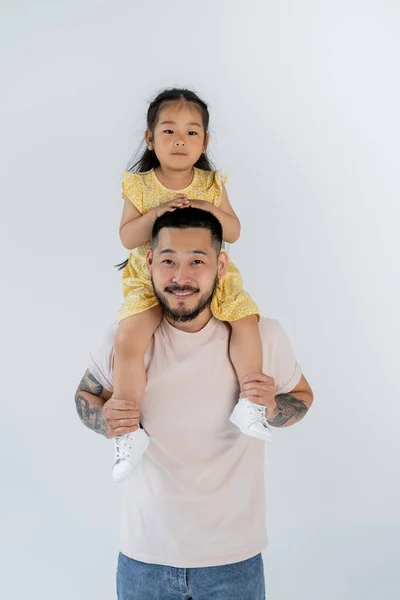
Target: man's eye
[167, 261]
[198, 262]
[169, 131]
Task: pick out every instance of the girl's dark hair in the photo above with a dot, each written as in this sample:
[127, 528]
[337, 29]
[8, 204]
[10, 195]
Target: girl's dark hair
[148, 160]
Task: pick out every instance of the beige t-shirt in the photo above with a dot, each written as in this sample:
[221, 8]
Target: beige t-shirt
[198, 498]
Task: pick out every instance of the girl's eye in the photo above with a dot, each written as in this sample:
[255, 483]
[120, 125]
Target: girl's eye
[193, 133]
[169, 131]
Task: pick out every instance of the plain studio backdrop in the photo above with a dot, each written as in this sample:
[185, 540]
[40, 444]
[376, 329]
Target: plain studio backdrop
[304, 100]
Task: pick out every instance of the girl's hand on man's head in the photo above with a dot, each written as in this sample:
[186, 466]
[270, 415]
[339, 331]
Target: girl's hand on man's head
[180, 201]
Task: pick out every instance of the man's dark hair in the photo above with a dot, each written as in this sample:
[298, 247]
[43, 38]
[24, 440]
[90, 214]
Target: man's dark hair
[188, 218]
[185, 218]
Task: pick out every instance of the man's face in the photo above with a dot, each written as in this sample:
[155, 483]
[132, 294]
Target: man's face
[185, 268]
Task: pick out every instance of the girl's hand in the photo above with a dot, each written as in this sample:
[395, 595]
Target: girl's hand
[203, 204]
[180, 201]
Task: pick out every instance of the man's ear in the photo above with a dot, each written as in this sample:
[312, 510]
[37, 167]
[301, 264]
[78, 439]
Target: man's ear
[223, 262]
[149, 260]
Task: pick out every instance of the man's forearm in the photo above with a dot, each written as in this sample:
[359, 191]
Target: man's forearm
[290, 409]
[89, 405]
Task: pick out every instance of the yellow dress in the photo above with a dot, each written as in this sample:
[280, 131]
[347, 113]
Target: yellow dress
[230, 301]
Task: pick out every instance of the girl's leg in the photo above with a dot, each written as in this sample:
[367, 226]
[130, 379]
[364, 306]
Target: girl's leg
[245, 347]
[246, 356]
[132, 338]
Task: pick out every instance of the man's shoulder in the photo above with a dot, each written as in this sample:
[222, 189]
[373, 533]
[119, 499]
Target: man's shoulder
[109, 334]
[105, 348]
[270, 329]
[272, 333]
[269, 326]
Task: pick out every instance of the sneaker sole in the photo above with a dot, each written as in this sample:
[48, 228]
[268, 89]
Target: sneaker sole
[129, 475]
[250, 433]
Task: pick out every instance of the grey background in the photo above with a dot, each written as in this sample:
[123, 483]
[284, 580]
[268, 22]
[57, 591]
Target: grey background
[304, 99]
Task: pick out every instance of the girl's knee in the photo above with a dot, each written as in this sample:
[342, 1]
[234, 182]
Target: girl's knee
[125, 340]
[248, 322]
[134, 333]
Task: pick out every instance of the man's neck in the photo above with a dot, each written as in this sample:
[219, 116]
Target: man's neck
[194, 325]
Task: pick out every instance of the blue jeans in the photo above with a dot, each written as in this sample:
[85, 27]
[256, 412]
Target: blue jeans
[238, 581]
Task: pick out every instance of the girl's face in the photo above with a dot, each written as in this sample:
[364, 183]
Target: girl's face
[179, 137]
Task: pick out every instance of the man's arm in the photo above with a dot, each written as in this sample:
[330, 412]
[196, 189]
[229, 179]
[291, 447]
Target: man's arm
[100, 411]
[90, 398]
[282, 410]
[293, 406]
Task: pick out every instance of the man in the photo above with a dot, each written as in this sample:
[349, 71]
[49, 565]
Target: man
[193, 519]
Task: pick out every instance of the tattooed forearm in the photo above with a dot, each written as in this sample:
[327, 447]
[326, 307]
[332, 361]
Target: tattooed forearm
[288, 408]
[90, 384]
[91, 416]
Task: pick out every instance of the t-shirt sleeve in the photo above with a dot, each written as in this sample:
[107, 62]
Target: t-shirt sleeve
[101, 359]
[132, 188]
[279, 360]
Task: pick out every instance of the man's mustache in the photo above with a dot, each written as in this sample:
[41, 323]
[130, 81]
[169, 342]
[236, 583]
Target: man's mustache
[178, 288]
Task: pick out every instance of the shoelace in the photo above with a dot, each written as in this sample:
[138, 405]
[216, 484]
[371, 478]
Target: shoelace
[122, 447]
[258, 413]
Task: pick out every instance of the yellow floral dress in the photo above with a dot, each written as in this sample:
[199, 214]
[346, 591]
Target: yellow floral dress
[230, 301]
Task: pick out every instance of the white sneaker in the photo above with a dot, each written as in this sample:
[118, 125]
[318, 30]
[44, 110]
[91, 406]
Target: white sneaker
[250, 419]
[129, 449]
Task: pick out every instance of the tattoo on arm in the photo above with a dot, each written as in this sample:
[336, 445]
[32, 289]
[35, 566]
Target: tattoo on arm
[288, 407]
[90, 384]
[92, 417]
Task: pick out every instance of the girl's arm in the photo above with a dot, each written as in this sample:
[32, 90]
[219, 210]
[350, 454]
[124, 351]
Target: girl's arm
[229, 219]
[225, 214]
[135, 229]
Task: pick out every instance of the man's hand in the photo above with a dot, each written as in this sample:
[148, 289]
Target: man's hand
[122, 416]
[260, 388]
[281, 410]
[180, 201]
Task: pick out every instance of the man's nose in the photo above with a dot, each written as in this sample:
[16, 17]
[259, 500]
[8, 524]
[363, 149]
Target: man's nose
[181, 276]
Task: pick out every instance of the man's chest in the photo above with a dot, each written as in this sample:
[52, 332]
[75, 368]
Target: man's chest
[189, 389]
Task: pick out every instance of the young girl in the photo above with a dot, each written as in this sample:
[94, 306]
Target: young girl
[174, 172]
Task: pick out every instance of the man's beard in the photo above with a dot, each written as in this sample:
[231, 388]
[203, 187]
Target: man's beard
[182, 315]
